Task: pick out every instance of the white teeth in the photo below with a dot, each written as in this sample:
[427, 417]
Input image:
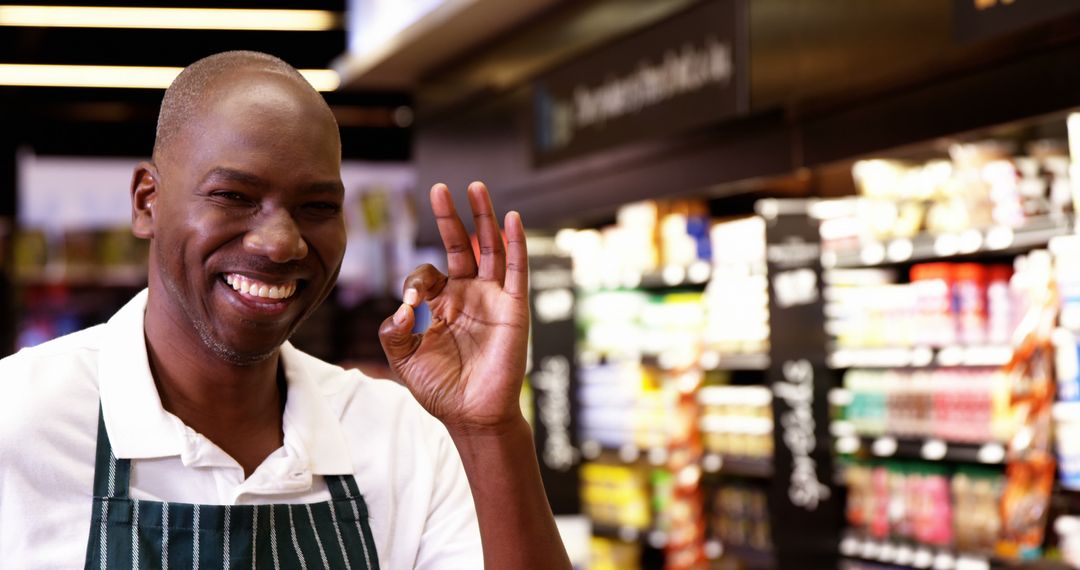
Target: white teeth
[257, 289]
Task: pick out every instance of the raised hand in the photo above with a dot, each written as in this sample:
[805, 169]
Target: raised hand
[467, 368]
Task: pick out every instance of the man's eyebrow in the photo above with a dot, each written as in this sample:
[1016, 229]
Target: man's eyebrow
[233, 175]
[226, 174]
[328, 187]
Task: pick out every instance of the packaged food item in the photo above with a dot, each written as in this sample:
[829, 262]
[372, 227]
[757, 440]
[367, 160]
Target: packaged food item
[970, 286]
[933, 283]
[609, 554]
[999, 305]
[1030, 464]
[977, 518]
[1025, 506]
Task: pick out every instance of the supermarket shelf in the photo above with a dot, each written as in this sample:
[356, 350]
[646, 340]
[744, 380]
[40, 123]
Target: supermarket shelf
[674, 360]
[714, 360]
[627, 454]
[653, 538]
[923, 449]
[735, 465]
[723, 557]
[693, 276]
[921, 357]
[909, 555]
[997, 240]
[713, 463]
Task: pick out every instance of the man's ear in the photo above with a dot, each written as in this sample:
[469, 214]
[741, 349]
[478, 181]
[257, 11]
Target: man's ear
[144, 192]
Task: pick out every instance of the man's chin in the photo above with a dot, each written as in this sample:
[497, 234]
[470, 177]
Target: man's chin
[234, 355]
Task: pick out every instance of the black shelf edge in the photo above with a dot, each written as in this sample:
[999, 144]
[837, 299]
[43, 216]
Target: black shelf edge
[717, 464]
[628, 454]
[933, 450]
[709, 360]
[711, 463]
[694, 276]
[921, 357]
[715, 360]
[996, 241]
[748, 557]
[649, 537]
[904, 554]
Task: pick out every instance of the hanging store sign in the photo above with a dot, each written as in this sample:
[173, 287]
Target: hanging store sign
[681, 74]
[553, 377]
[976, 20]
[804, 504]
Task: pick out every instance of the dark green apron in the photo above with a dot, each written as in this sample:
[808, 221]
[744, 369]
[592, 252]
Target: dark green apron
[129, 533]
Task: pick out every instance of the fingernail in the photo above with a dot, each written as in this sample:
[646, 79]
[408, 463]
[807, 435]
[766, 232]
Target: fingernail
[401, 314]
[410, 296]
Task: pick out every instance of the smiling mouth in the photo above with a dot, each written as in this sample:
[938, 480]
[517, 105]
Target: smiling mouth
[259, 289]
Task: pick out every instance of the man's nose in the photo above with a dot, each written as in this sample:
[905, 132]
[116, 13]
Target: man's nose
[276, 237]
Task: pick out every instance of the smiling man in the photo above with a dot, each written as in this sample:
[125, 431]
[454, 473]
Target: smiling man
[187, 432]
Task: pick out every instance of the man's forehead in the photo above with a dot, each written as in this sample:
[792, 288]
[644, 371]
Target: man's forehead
[252, 109]
[254, 88]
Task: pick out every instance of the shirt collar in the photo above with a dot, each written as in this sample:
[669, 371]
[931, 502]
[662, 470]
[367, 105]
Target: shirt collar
[140, 428]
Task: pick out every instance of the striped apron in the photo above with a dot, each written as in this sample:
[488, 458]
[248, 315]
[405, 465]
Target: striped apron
[129, 533]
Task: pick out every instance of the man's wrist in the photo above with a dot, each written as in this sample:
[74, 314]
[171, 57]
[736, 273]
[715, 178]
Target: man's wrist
[509, 428]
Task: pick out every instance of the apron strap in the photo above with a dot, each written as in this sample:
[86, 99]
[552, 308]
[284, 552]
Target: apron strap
[343, 487]
[112, 476]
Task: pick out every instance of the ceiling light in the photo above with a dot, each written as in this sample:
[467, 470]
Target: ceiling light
[170, 18]
[126, 77]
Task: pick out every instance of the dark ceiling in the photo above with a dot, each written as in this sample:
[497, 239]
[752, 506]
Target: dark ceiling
[120, 122]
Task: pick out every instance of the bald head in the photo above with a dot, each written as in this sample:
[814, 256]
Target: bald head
[197, 83]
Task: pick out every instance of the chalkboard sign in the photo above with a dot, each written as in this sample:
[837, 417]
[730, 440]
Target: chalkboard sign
[804, 505]
[553, 377]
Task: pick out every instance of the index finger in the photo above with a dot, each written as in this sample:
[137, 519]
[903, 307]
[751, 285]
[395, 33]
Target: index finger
[459, 253]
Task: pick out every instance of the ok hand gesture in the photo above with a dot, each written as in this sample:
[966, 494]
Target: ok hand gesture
[467, 368]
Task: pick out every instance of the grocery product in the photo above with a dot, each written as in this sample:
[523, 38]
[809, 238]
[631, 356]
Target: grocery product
[966, 405]
[925, 504]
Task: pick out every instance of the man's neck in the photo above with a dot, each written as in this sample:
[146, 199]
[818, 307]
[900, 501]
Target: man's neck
[239, 408]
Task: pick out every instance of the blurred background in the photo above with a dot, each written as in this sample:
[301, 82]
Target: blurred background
[805, 273]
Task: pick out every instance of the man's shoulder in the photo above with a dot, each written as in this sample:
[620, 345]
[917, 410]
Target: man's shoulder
[54, 371]
[78, 350]
[56, 380]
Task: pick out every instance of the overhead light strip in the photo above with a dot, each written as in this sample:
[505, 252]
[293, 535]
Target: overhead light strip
[122, 77]
[169, 18]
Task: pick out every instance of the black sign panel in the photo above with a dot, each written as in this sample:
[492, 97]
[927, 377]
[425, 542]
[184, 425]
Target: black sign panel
[976, 20]
[805, 508]
[684, 73]
[553, 376]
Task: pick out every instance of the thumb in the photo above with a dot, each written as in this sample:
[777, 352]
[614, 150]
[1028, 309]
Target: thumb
[396, 336]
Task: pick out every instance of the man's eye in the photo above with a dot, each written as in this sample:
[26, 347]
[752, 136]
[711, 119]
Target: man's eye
[227, 195]
[325, 207]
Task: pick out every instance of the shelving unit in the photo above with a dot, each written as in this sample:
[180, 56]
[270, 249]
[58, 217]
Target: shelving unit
[803, 345]
[998, 240]
[922, 449]
[921, 357]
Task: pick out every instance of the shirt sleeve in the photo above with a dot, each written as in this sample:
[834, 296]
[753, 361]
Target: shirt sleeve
[451, 536]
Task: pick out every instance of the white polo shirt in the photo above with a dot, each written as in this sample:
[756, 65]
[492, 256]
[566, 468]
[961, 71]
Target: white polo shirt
[335, 422]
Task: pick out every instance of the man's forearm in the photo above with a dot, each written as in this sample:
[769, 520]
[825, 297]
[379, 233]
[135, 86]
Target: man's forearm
[516, 525]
